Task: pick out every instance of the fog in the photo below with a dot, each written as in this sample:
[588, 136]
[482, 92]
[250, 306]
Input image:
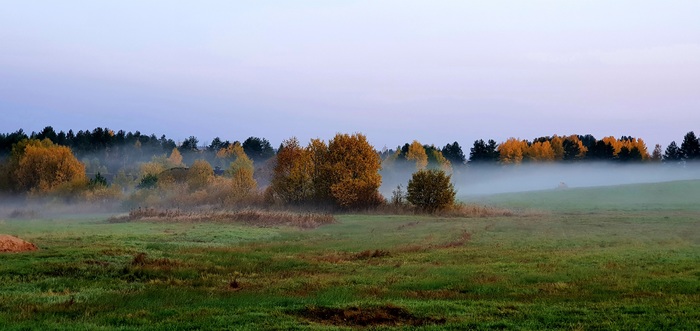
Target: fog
[487, 180]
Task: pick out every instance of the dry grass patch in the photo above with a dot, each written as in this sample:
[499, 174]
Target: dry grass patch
[254, 217]
[10, 244]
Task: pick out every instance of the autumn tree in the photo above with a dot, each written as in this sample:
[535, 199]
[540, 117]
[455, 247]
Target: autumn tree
[353, 171]
[511, 151]
[175, 159]
[540, 151]
[557, 144]
[431, 190]
[240, 159]
[416, 153]
[291, 179]
[199, 175]
[438, 161]
[320, 171]
[41, 166]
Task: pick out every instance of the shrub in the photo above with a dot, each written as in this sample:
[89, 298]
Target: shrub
[431, 190]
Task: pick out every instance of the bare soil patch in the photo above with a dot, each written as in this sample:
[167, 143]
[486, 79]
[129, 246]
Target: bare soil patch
[388, 315]
[10, 244]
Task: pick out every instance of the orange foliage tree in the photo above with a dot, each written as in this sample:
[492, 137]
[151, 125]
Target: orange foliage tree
[291, 179]
[512, 151]
[353, 171]
[344, 173]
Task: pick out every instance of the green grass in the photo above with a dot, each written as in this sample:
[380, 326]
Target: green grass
[605, 258]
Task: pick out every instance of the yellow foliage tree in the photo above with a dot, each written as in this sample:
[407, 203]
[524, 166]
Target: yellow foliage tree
[175, 159]
[41, 167]
[243, 184]
[151, 168]
[442, 163]
[540, 152]
[199, 175]
[557, 144]
[511, 151]
[616, 144]
[240, 160]
[416, 153]
[318, 153]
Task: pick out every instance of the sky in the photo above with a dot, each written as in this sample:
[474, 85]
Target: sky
[395, 70]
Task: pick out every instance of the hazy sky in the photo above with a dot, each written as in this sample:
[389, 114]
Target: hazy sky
[435, 71]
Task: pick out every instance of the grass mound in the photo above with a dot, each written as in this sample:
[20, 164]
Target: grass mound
[254, 217]
[10, 244]
[388, 315]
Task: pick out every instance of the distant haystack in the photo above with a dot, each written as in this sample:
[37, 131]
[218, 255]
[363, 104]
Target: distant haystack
[10, 244]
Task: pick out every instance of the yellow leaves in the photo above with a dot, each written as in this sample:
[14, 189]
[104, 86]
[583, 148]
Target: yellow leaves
[41, 166]
[354, 174]
[512, 150]
[540, 152]
[557, 144]
[442, 163]
[151, 168]
[416, 152]
[175, 158]
[344, 172]
[291, 179]
[199, 175]
[630, 143]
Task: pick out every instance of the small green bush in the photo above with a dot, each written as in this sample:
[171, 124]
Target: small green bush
[431, 190]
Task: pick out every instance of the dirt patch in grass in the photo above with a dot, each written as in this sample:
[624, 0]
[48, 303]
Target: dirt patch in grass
[388, 315]
[338, 257]
[261, 218]
[10, 244]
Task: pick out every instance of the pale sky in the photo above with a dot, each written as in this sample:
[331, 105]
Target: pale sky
[434, 71]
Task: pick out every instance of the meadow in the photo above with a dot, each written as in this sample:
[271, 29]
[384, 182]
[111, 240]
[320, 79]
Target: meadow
[621, 257]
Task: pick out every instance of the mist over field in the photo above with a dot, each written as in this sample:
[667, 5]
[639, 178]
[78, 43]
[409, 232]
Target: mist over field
[487, 180]
[544, 177]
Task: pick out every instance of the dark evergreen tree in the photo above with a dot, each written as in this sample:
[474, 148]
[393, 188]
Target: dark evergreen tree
[189, 145]
[47, 133]
[7, 140]
[587, 140]
[258, 149]
[217, 144]
[690, 147]
[635, 154]
[167, 144]
[600, 151]
[483, 153]
[673, 154]
[571, 150]
[453, 153]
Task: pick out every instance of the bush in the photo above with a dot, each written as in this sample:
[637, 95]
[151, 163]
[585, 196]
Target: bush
[431, 190]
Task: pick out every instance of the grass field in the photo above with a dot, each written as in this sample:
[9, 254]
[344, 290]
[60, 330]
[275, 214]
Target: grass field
[624, 257]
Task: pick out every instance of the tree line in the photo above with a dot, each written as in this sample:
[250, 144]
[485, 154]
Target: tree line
[345, 172]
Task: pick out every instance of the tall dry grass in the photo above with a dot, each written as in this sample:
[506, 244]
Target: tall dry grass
[255, 217]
